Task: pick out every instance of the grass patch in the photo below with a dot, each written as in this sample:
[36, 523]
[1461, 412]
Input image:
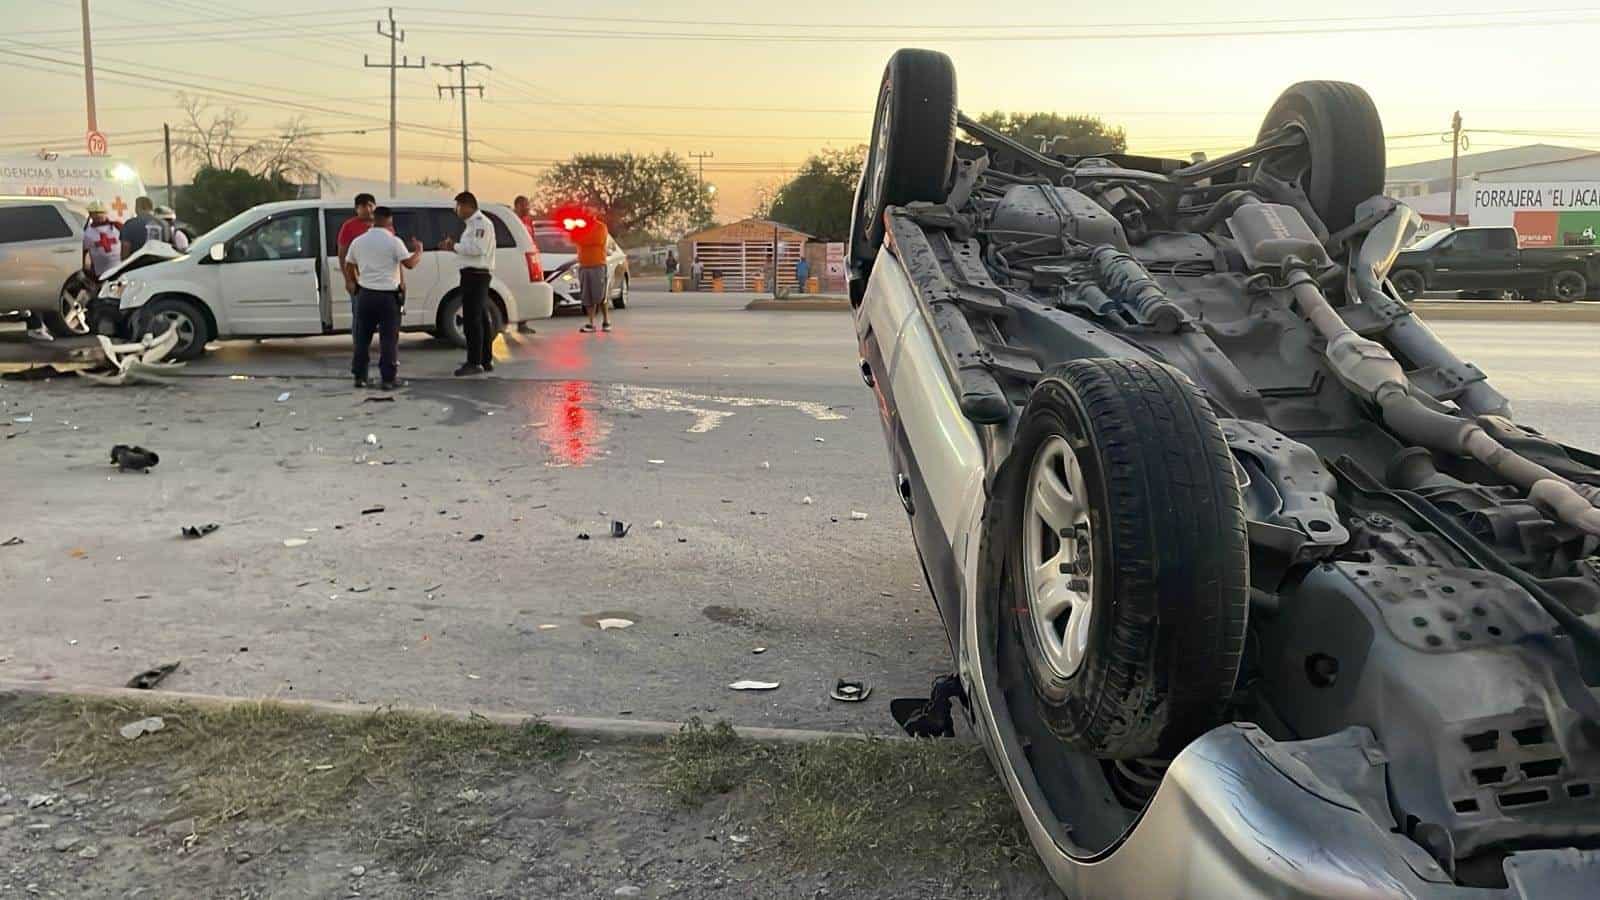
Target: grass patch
[276, 764]
[839, 798]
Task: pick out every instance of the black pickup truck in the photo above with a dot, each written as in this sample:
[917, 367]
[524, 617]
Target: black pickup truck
[1485, 261]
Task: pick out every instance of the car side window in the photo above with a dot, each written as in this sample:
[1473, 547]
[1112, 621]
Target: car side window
[1470, 242]
[31, 223]
[332, 221]
[1502, 239]
[502, 235]
[445, 224]
[285, 236]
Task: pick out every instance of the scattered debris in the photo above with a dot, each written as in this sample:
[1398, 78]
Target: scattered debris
[474, 677]
[372, 510]
[620, 529]
[658, 524]
[199, 531]
[754, 685]
[583, 535]
[23, 420]
[77, 553]
[548, 627]
[134, 730]
[806, 501]
[379, 398]
[137, 362]
[357, 871]
[63, 844]
[295, 542]
[820, 440]
[610, 619]
[739, 838]
[847, 690]
[628, 890]
[656, 462]
[35, 373]
[149, 678]
[858, 516]
[372, 440]
[285, 396]
[13, 541]
[765, 464]
[89, 853]
[474, 539]
[137, 459]
[759, 650]
[359, 590]
[37, 800]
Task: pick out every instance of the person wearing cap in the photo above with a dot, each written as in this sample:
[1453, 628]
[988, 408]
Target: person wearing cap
[179, 240]
[102, 241]
[475, 253]
[372, 262]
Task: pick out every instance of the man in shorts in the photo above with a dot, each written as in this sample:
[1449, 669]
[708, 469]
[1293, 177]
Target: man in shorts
[592, 238]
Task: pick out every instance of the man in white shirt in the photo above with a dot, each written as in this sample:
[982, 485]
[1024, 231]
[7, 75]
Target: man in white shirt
[475, 253]
[373, 262]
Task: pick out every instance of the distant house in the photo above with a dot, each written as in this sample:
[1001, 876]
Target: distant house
[742, 251]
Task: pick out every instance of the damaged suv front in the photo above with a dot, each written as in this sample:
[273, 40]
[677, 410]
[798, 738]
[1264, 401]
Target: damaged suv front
[1256, 588]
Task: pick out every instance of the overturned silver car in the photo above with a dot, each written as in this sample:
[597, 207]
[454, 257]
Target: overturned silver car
[1255, 589]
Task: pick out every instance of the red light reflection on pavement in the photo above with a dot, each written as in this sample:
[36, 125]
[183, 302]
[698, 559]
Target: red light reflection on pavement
[562, 416]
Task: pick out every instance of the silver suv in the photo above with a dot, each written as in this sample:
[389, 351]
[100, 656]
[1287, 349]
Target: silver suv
[41, 263]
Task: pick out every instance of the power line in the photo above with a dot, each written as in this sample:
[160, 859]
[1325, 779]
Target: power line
[461, 90]
[396, 37]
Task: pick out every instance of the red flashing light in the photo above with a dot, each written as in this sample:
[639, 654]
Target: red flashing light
[572, 223]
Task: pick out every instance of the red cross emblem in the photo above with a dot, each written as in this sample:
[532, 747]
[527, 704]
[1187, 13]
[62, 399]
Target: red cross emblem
[106, 241]
[120, 207]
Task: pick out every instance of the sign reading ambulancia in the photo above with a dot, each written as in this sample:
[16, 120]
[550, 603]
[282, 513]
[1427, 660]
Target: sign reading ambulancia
[1545, 214]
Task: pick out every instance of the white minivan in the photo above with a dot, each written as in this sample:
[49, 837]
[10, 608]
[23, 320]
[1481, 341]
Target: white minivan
[272, 271]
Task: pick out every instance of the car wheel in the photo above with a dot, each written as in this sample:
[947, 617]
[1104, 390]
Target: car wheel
[913, 144]
[1342, 161]
[181, 314]
[449, 326]
[1126, 567]
[71, 317]
[1408, 283]
[621, 300]
[1569, 286]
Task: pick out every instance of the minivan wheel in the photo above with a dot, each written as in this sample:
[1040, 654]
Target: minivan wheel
[1125, 581]
[183, 315]
[449, 326]
[1342, 161]
[71, 318]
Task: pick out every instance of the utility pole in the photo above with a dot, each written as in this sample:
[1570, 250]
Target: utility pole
[702, 157]
[88, 70]
[396, 38]
[461, 91]
[166, 145]
[1455, 161]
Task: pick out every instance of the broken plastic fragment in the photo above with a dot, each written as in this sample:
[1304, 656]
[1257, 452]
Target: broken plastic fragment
[820, 440]
[609, 624]
[284, 396]
[806, 501]
[766, 465]
[141, 727]
[149, 678]
[548, 627]
[658, 524]
[656, 462]
[372, 440]
[858, 516]
[759, 650]
[199, 531]
[620, 529]
[295, 542]
[754, 685]
[847, 690]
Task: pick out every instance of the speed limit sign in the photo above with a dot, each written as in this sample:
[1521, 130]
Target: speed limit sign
[97, 144]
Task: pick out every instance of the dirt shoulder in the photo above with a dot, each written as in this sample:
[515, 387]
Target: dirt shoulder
[262, 800]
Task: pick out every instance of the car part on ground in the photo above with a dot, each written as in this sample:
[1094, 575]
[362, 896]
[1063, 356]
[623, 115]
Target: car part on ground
[1256, 589]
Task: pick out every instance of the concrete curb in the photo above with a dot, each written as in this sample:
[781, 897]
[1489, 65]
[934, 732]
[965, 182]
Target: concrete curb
[812, 304]
[1506, 311]
[581, 726]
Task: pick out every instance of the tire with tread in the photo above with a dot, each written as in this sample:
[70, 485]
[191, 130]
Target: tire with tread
[1408, 283]
[445, 327]
[620, 301]
[1170, 558]
[1344, 135]
[912, 147]
[58, 322]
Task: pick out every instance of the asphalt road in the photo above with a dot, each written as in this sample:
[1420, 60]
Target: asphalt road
[694, 412]
[713, 420]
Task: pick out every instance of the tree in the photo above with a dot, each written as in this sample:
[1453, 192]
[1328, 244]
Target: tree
[818, 199]
[217, 140]
[1070, 135]
[432, 182]
[656, 192]
[216, 195]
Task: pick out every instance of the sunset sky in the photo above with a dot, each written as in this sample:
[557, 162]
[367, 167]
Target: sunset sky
[760, 87]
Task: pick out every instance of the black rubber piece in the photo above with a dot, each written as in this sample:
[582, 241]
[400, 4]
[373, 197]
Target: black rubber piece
[918, 97]
[1171, 558]
[1408, 283]
[1345, 136]
[1568, 286]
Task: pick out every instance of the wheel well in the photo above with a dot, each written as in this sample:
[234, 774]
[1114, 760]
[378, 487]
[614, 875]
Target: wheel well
[211, 317]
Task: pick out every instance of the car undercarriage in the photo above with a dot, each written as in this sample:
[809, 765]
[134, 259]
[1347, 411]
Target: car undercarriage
[1229, 495]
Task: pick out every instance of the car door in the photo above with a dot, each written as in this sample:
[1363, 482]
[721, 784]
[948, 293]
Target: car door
[1501, 259]
[39, 250]
[1459, 261]
[268, 275]
[422, 283]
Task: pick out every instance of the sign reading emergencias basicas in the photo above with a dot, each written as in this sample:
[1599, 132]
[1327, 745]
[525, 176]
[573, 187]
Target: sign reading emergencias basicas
[1545, 214]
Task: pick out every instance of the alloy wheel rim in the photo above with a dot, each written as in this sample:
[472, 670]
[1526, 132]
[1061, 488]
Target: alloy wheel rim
[75, 310]
[180, 323]
[1058, 556]
[1566, 287]
[880, 165]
